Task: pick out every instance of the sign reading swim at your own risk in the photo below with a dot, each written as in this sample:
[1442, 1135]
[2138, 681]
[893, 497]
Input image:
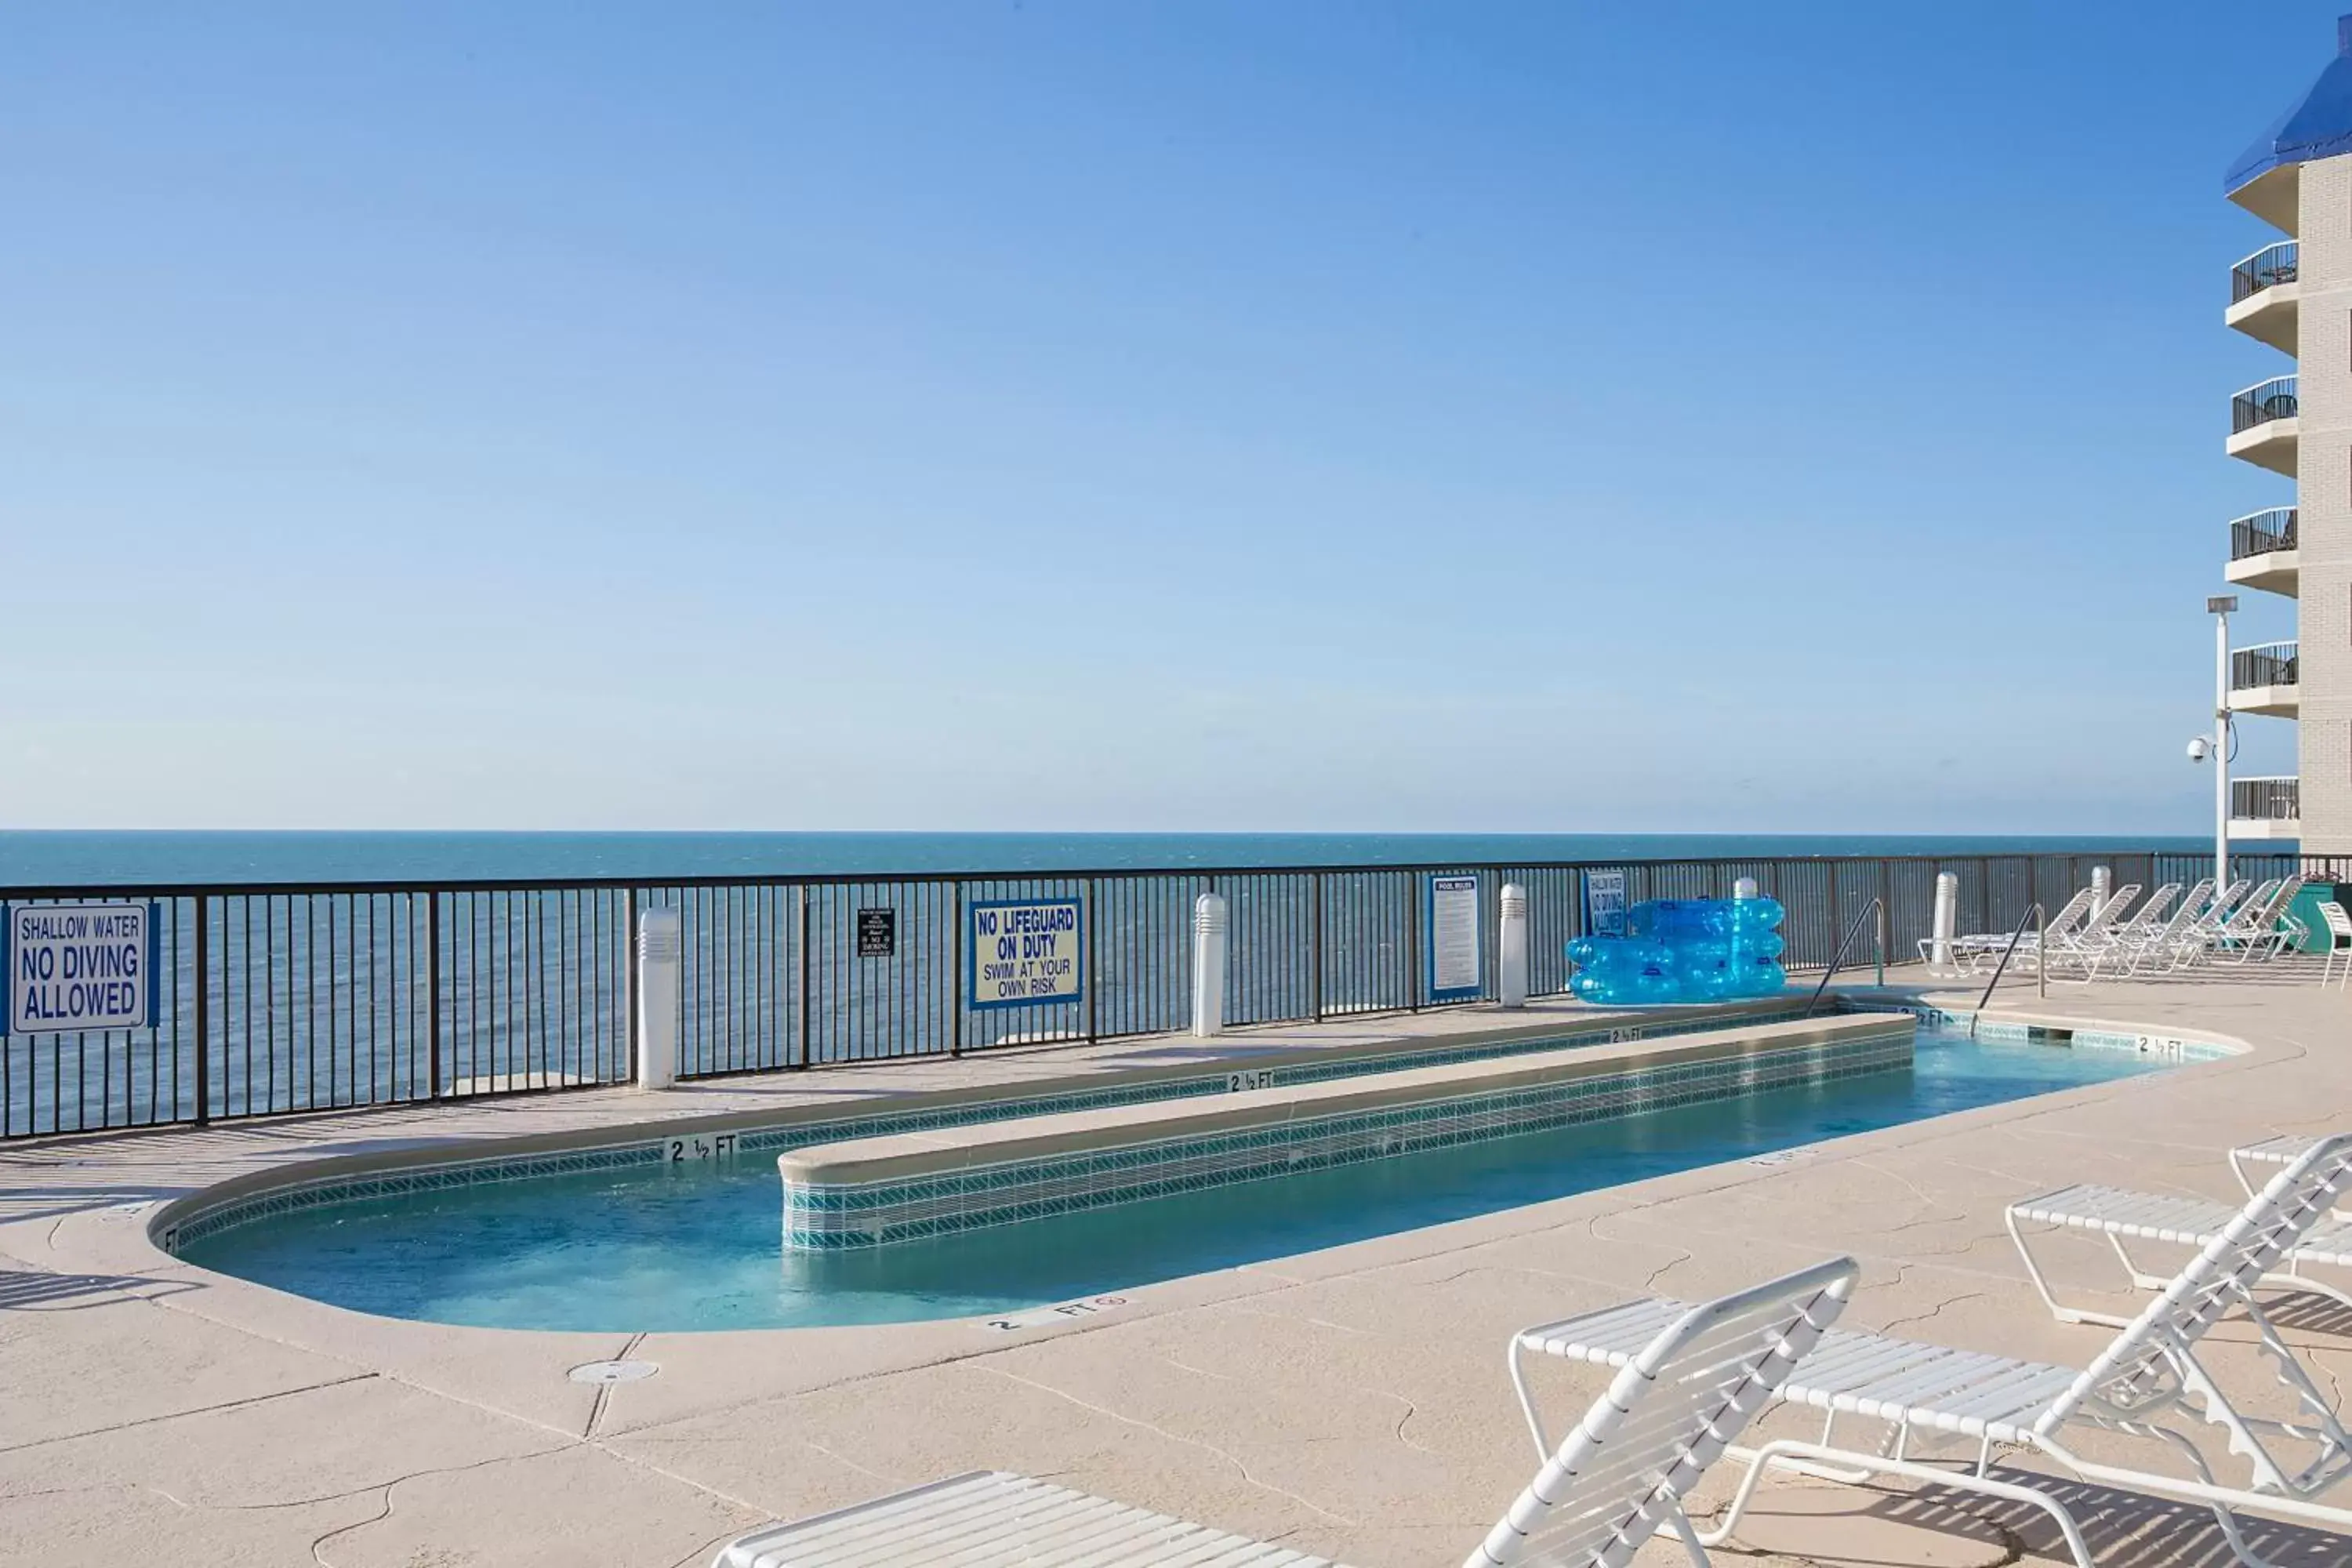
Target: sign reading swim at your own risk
[1452, 939]
[1027, 952]
[79, 966]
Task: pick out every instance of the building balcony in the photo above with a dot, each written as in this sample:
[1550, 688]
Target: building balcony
[2265, 295]
[2265, 808]
[2263, 680]
[2263, 551]
[2262, 424]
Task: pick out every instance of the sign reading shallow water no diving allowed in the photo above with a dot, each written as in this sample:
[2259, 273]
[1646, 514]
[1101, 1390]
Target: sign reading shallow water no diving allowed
[79, 966]
[1027, 952]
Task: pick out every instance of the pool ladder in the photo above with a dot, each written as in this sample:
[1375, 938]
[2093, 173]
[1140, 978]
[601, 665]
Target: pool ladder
[2039, 917]
[1876, 907]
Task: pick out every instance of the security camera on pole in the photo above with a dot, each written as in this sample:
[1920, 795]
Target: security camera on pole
[2218, 748]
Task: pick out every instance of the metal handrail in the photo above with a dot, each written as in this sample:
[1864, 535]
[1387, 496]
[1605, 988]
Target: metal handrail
[2278, 262]
[2041, 918]
[2265, 664]
[2267, 799]
[2263, 402]
[2261, 533]
[1876, 906]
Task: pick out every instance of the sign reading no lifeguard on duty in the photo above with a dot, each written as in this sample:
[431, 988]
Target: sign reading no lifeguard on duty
[79, 966]
[1027, 952]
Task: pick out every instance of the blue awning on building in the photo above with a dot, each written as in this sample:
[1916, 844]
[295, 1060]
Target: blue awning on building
[2319, 125]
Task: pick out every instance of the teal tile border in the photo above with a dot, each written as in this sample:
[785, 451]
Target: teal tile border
[2170, 1047]
[458, 1173]
[872, 1213]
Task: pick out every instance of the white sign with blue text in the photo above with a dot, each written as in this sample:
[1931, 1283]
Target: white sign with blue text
[1027, 952]
[79, 966]
[1453, 939]
[1604, 903]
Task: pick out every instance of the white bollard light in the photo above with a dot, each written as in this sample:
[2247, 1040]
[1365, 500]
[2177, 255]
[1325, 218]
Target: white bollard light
[1744, 888]
[1948, 917]
[658, 946]
[2103, 888]
[1209, 965]
[1511, 948]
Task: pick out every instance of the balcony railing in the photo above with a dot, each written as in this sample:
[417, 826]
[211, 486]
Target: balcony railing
[2266, 800]
[2266, 663]
[2273, 399]
[2261, 533]
[2273, 264]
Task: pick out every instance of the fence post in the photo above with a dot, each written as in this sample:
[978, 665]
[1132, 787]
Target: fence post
[1885, 911]
[432, 996]
[801, 945]
[1315, 945]
[1208, 965]
[1094, 967]
[203, 1012]
[1837, 914]
[629, 979]
[955, 984]
[1412, 941]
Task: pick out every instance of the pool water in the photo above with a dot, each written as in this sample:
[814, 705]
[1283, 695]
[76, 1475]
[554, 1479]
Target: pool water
[670, 1247]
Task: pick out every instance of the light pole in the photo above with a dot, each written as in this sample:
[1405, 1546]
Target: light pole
[2219, 607]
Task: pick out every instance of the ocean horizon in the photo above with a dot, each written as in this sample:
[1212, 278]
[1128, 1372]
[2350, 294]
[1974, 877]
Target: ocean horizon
[67, 857]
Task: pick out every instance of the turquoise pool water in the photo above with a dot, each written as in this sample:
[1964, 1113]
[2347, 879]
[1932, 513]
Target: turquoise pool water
[687, 1247]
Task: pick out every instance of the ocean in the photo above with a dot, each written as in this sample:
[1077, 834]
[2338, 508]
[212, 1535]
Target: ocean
[63, 858]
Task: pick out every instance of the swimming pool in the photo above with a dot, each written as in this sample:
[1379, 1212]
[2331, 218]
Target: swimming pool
[685, 1246]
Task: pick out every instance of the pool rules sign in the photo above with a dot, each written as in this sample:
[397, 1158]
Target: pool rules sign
[79, 966]
[1027, 952]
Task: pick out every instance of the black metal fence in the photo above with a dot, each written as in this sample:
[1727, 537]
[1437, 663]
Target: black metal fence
[279, 998]
[2262, 532]
[2266, 268]
[2266, 800]
[2273, 399]
[2267, 664]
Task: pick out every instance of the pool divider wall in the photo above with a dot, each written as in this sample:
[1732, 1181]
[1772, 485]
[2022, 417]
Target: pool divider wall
[874, 1191]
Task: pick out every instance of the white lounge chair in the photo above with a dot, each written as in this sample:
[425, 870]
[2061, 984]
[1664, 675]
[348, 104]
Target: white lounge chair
[2119, 1216]
[2283, 1148]
[2203, 934]
[2084, 948]
[2339, 942]
[2149, 1384]
[2162, 945]
[1979, 950]
[2116, 944]
[2258, 928]
[2194, 940]
[1682, 1398]
[2232, 915]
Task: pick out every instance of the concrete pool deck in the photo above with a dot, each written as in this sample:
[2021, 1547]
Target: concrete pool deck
[1351, 1402]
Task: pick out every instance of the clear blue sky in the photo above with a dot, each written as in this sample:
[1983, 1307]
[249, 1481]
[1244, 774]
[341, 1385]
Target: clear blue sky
[1073, 415]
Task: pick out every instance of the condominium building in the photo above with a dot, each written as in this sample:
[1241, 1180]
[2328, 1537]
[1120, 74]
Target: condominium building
[2295, 295]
